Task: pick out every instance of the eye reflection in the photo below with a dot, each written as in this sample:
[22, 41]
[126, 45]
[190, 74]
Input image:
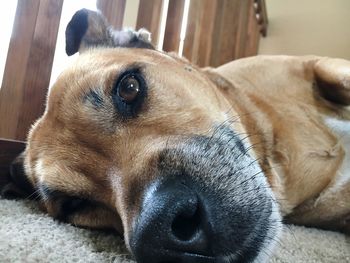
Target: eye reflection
[129, 88]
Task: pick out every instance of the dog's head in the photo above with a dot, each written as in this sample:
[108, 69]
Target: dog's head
[141, 141]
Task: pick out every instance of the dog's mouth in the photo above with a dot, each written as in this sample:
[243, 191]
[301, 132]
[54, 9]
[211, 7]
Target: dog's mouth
[212, 203]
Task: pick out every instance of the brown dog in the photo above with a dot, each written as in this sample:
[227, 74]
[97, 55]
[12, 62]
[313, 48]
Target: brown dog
[191, 165]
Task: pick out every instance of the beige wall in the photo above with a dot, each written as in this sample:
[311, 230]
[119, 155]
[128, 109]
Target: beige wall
[130, 15]
[301, 27]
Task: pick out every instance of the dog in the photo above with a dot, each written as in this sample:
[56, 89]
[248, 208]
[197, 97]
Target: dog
[189, 164]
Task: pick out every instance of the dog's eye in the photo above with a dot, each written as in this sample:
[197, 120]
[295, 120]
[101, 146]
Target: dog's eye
[128, 93]
[129, 88]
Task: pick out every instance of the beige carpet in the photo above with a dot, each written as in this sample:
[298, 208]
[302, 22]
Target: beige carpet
[27, 235]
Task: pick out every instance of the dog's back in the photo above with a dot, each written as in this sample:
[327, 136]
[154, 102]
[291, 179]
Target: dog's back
[301, 135]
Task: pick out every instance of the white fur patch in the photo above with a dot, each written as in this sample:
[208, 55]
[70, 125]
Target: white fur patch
[342, 129]
[39, 170]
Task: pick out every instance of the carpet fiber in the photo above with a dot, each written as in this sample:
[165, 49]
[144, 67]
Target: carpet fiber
[27, 235]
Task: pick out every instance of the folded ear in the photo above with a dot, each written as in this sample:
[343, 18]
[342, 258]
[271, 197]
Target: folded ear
[89, 29]
[18, 186]
[217, 79]
[333, 79]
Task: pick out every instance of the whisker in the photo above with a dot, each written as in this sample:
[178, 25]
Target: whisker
[36, 193]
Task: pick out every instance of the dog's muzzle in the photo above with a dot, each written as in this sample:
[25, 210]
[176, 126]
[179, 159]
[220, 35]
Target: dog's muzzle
[174, 226]
[211, 204]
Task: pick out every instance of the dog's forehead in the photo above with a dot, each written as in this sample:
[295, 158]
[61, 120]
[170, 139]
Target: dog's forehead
[101, 66]
[176, 97]
[65, 130]
[168, 82]
[103, 57]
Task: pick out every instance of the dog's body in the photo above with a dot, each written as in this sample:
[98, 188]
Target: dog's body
[304, 138]
[181, 160]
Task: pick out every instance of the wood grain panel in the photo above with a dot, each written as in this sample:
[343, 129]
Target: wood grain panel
[212, 30]
[37, 79]
[208, 38]
[252, 33]
[12, 89]
[226, 29]
[243, 18]
[113, 10]
[189, 50]
[200, 33]
[173, 25]
[149, 17]
[219, 31]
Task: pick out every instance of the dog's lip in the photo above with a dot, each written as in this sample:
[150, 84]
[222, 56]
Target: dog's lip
[184, 252]
[196, 255]
[232, 257]
[184, 255]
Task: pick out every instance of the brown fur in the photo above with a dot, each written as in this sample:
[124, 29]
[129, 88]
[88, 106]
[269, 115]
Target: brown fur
[79, 146]
[299, 154]
[281, 104]
[82, 150]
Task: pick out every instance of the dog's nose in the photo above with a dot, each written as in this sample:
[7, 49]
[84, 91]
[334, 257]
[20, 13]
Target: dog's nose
[173, 226]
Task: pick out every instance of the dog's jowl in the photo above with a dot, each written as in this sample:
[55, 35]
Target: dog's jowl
[189, 164]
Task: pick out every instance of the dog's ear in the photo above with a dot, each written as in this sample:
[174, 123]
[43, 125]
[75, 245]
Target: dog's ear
[88, 29]
[332, 77]
[18, 185]
[217, 79]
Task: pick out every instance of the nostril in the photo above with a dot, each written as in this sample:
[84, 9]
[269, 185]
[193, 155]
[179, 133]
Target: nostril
[186, 225]
[174, 225]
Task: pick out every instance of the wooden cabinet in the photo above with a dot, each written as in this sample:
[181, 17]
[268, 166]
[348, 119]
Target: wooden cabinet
[28, 66]
[219, 31]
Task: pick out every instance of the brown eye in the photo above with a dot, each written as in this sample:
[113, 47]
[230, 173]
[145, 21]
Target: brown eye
[129, 88]
[129, 93]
